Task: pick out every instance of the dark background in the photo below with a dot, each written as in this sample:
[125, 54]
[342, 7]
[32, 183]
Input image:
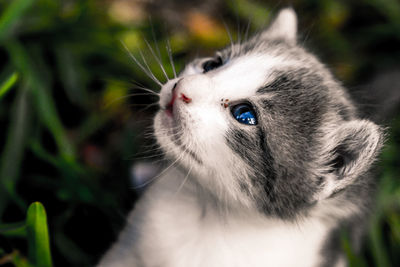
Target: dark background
[75, 121]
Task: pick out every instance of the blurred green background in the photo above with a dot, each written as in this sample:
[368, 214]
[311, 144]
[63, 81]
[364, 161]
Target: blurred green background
[73, 120]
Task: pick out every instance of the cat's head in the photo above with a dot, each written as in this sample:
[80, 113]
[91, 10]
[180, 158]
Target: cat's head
[264, 124]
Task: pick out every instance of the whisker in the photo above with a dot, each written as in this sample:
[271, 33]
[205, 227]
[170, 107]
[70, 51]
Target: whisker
[171, 60]
[150, 159]
[183, 182]
[246, 34]
[150, 150]
[145, 157]
[159, 175]
[230, 38]
[173, 135]
[151, 76]
[148, 106]
[138, 84]
[239, 36]
[157, 59]
[150, 147]
[147, 65]
[141, 105]
[141, 94]
[147, 90]
[165, 133]
[149, 133]
[154, 38]
[152, 153]
[308, 32]
[124, 97]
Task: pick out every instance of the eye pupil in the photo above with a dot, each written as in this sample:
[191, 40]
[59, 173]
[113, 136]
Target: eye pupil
[212, 64]
[244, 114]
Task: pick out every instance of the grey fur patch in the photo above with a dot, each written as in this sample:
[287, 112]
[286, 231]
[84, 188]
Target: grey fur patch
[293, 79]
[258, 156]
[283, 154]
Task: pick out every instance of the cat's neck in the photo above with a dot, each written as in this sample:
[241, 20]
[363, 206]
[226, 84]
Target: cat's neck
[217, 227]
[179, 188]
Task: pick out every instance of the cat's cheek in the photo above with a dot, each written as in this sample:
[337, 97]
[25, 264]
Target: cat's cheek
[207, 123]
[161, 125]
[209, 132]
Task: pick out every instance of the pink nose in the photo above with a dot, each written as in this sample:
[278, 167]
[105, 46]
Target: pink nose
[185, 99]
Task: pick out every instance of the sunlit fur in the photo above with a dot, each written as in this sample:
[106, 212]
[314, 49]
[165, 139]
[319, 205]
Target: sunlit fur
[271, 194]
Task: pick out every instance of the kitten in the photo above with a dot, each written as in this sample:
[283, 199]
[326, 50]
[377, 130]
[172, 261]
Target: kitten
[272, 161]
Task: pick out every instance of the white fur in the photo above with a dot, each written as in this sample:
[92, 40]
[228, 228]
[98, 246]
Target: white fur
[178, 233]
[219, 83]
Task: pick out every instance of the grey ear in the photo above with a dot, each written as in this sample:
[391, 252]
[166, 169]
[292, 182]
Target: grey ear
[284, 26]
[351, 150]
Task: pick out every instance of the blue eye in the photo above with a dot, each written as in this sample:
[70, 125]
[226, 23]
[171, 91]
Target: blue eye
[245, 114]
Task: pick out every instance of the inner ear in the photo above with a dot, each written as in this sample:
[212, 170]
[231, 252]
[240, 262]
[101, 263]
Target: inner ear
[358, 143]
[342, 157]
[349, 152]
[339, 161]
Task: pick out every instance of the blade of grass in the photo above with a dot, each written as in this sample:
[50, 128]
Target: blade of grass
[38, 235]
[13, 230]
[377, 245]
[72, 75]
[353, 259]
[44, 104]
[15, 258]
[376, 236]
[389, 8]
[8, 84]
[12, 14]
[20, 261]
[74, 251]
[14, 148]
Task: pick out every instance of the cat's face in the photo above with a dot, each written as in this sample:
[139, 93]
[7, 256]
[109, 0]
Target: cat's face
[261, 123]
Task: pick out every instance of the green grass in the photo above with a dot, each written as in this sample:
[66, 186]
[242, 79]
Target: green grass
[34, 230]
[8, 84]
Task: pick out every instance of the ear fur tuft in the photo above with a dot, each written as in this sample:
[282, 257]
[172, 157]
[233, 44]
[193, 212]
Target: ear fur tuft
[284, 26]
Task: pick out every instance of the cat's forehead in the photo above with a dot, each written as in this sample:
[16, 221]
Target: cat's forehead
[245, 74]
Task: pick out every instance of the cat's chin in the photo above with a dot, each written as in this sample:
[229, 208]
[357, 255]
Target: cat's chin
[167, 120]
[169, 137]
[163, 121]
